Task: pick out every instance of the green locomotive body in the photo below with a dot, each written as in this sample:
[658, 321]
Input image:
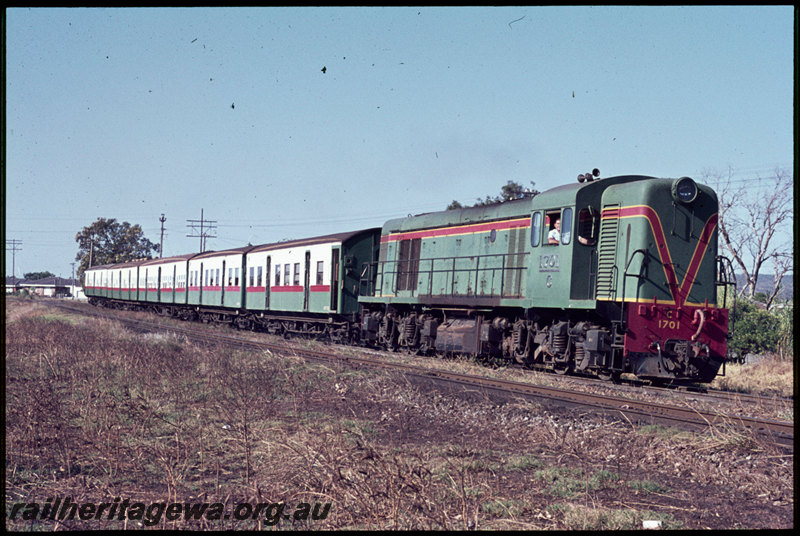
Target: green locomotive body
[609, 276]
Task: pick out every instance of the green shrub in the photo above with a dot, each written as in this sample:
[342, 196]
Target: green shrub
[755, 330]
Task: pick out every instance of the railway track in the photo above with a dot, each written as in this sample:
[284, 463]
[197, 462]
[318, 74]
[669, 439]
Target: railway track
[746, 402]
[682, 414]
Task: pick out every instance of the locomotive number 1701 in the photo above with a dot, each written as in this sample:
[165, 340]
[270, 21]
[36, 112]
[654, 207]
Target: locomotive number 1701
[668, 322]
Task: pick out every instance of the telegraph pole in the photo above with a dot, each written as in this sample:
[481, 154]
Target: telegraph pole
[16, 245]
[205, 227]
[162, 219]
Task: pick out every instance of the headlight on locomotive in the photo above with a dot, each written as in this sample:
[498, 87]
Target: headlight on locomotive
[684, 190]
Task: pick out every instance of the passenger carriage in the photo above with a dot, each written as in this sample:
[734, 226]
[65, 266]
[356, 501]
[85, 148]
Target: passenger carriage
[164, 281]
[97, 282]
[309, 285]
[217, 280]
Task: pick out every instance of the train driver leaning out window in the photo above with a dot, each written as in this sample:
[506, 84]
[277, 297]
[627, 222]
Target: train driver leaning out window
[554, 236]
[587, 222]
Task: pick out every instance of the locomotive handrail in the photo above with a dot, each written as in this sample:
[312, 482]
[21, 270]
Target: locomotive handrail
[625, 276]
[723, 279]
[674, 219]
[365, 282]
[593, 269]
[482, 265]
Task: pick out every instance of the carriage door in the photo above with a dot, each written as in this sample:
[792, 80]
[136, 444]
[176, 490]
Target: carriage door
[266, 282]
[334, 280]
[607, 275]
[307, 281]
[222, 286]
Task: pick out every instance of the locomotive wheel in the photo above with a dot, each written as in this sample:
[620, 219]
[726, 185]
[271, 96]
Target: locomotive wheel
[609, 375]
[561, 369]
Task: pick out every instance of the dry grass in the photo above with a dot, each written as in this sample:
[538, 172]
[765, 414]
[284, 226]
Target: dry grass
[768, 376]
[94, 412]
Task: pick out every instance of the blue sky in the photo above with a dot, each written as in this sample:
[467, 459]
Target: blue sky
[131, 113]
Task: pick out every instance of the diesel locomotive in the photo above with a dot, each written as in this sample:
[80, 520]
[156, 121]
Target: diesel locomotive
[602, 276]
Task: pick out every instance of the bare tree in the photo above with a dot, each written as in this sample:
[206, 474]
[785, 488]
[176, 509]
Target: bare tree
[755, 218]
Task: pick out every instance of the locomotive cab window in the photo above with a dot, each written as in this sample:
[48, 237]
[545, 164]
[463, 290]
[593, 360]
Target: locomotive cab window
[566, 226]
[536, 228]
[552, 221]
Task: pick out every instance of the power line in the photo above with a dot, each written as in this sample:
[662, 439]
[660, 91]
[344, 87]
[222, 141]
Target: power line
[205, 227]
[16, 245]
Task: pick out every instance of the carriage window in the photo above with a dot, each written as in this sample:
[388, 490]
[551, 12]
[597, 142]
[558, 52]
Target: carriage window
[277, 275]
[217, 280]
[320, 266]
[536, 228]
[258, 275]
[566, 226]
[287, 271]
[251, 280]
[236, 277]
[297, 273]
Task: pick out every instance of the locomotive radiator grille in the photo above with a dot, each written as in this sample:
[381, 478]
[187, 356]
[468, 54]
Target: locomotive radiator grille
[607, 252]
